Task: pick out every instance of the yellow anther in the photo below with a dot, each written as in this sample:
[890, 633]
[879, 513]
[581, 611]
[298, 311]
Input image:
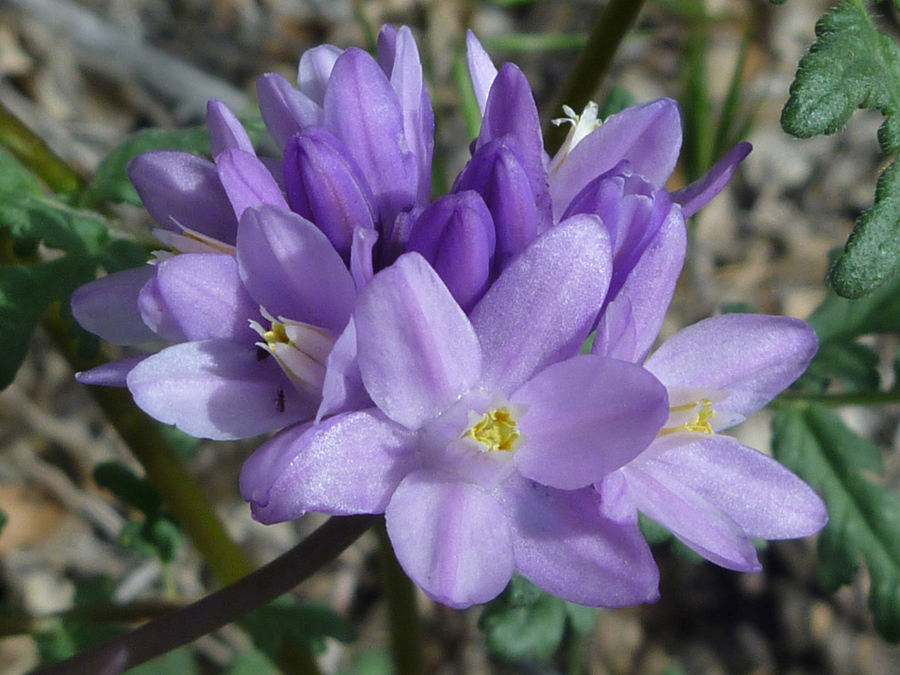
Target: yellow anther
[497, 430]
[301, 349]
[698, 423]
[276, 334]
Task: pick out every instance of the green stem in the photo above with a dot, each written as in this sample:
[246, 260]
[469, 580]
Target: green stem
[593, 63]
[577, 652]
[179, 490]
[163, 467]
[863, 398]
[406, 639]
[34, 153]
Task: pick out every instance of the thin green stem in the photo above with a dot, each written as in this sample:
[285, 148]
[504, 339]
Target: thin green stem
[221, 608]
[168, 474]
[163, 467]
[593, 62]
[577, 652]
[406, 640]
[34, 153]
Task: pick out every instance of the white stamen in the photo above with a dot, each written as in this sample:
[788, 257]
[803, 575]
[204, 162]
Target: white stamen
[191, 241]
[582, 126]
[301, 349]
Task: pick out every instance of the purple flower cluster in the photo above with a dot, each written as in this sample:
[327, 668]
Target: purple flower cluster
[424, 359]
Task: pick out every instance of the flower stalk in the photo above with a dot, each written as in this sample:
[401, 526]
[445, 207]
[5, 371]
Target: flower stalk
[593, 63]
[221, 608]
[406, 639]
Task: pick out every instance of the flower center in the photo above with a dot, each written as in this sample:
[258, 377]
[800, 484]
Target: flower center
[699, 423]
[301, 349]
[497, 430]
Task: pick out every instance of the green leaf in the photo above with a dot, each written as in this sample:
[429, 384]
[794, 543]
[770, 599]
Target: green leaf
[850, 66]
[156, 538]
[177, 662]
[15, 178]
[64, 638]
[132, 489]
[308, 624]
[850, 363]
[581, 618]
[26, 292]
[523, 623]
[57, 225]
[4, 519]
[121, 254]
[838, 319]
[153, 535]
[872, 253]
[252, 662]
[94, 589]
[864, 518]
[112, 185]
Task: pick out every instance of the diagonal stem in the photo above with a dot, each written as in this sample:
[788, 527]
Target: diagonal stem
[593, 63]
[220, 608]
[34, 153]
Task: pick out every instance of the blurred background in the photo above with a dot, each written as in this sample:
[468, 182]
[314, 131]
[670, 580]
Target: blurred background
[85, 74]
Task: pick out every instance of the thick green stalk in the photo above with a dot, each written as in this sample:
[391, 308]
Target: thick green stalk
[163, 467]
[406, 640]
[34, 153]
[593, 63]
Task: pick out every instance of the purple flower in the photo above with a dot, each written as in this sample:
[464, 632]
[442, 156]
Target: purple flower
[378, 120]
[486, 432]
[616, 170]
[255, 329]
[185, 195]
[710, 491]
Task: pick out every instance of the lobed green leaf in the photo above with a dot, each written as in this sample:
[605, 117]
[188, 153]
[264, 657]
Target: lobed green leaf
[864, 518]
[307, 624]
[57, 225]
[526, 623]
[838, 319]
[849, 66]
[852, 364]
[15, 177]
[26, 292]
[111, 183]
[872, 253]
[515, 631]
